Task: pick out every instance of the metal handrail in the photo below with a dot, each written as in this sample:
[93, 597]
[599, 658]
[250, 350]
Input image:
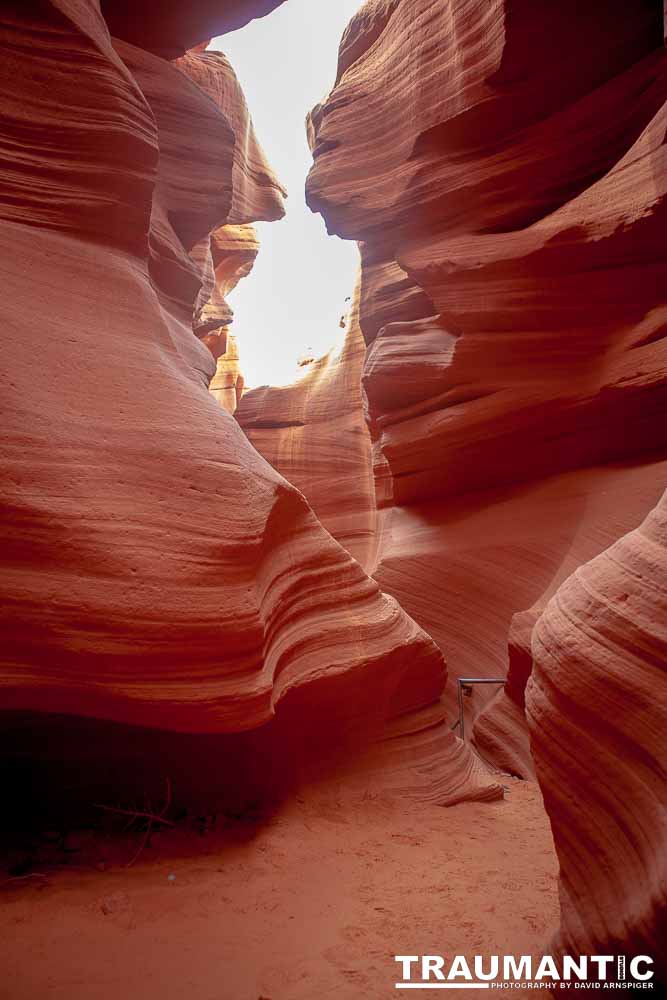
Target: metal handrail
[464, 682]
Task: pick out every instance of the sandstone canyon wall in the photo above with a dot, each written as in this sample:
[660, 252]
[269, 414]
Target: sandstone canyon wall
[598, 718]
[233, 250]
[477, 467]
[315, 433]
[511, 292]
[160, 573]
[502, 167]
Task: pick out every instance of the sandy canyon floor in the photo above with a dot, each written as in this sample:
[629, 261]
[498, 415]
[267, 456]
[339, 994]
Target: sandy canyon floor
[311, 903]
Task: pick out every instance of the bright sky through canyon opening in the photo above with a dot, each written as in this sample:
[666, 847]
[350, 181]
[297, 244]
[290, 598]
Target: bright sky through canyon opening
[295, 295]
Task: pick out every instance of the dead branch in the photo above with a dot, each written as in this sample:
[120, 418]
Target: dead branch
[147, 814]
[152, 817]
[135, 814]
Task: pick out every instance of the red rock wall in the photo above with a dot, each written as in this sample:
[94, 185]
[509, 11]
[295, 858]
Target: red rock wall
[511, 293]
[228, 382]
[315, 433]
[512, 301]
[598, 719]
[160, 573]
[171, 27]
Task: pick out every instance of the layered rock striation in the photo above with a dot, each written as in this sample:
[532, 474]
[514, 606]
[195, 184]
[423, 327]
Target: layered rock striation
[160, 573]
[510, 294]
[315, 433]
[515, 384]
[598, 723]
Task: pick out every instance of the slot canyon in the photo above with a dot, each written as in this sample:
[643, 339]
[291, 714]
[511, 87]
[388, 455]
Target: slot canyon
[297, 678]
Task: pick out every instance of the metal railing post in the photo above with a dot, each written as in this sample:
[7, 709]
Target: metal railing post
[471, 680]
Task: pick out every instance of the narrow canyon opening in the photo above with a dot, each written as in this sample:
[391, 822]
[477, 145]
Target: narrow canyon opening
[335, 564]
[289, 309]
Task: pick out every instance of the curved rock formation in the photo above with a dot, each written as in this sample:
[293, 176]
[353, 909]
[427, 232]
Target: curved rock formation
[598, 722]
[511, 292]
[515, 382]
[160, 572]
[255, 190]
[315, 434]
[501, 732]
[170, 27]
[488, 120]
[228, 382]
[227, 256]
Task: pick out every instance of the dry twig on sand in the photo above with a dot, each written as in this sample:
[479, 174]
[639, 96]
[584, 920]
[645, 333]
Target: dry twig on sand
[146, 814]
[22, 878]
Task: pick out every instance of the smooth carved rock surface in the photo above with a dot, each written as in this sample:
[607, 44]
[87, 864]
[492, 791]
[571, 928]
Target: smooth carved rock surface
[598, 722]
[501, 732]
[170, 27]
[160, 572]
[511, 377]
[163, 574]
[515, 384]
[228, 382]
[256, 193]
[227, 256]
[487, 104]
[315, 434]
[510, 293]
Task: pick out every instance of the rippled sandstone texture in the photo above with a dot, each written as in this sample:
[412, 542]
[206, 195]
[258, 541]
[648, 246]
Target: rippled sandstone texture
[512, 304]
[315, 433]
[511, 293]
[160, 573]
[598, 719]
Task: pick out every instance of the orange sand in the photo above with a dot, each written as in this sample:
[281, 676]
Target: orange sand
[309, 905]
